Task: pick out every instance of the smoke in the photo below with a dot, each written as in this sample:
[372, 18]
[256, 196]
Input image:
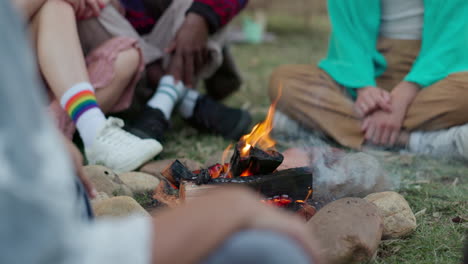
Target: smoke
[337, 173]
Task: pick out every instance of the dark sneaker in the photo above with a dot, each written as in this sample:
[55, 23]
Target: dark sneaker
[213, 117]
[151, 123]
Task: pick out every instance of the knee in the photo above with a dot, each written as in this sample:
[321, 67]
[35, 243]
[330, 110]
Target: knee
[130, 59]
[277, 79]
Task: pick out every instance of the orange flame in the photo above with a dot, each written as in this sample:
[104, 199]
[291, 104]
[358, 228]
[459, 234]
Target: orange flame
[225, 154]
[260, 134]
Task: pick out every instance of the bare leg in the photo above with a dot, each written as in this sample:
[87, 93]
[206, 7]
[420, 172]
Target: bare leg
[125, 67]
[60, 57]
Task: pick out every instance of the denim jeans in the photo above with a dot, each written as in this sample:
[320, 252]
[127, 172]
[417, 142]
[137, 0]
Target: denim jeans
[257, 247]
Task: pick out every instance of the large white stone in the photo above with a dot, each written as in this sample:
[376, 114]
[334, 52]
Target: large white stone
[139, 182]
[348, 230]
[399, 219]
[119, 206]
[105, 180]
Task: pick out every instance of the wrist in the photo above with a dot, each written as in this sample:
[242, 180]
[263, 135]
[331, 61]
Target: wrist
[403, 95]
[195, 19]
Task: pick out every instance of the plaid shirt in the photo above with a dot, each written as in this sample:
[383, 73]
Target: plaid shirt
[216, 12]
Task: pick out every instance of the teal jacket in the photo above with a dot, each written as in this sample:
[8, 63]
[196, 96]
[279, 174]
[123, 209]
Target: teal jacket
[354, 62]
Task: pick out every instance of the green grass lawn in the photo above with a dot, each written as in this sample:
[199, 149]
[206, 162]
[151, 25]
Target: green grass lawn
[436, 190]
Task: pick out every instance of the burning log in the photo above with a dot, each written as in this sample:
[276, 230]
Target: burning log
[293, 182]
[254, 161]
[177, 172]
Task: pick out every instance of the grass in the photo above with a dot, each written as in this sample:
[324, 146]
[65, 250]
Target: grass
[430, 186]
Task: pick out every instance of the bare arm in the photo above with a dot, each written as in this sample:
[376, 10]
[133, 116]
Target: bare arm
[28, 7]
[201, 226]
[403, 95]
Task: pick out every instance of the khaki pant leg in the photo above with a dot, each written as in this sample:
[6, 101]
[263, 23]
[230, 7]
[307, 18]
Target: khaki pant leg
[311, 97]
[441, 105]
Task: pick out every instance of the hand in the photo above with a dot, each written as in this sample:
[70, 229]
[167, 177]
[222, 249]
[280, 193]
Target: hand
[189, 49]
[214, 217]
[268, 218]
[371, 99]
[383, 128]
[77, 160]
[85, 9]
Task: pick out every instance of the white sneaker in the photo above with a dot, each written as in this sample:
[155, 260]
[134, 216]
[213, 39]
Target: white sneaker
[450, 143]
[287, 128]
[119, 150]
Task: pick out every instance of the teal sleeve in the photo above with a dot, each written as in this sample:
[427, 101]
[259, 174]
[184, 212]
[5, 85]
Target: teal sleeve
[353, 60]
[444, 47]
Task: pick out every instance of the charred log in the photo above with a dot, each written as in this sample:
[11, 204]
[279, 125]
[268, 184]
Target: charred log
[258, 162]
[293, 182]
[177, 172]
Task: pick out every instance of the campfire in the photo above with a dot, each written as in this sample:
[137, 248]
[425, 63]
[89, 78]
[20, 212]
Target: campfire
[254, 164]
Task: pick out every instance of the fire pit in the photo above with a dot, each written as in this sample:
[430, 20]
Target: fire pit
[253, 164]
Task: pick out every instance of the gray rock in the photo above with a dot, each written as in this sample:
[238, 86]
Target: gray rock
[119, 206]
[139, 182]
[105, 180]
[348, 230]
[398, 218]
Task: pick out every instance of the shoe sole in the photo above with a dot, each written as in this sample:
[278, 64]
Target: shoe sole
[133, 165]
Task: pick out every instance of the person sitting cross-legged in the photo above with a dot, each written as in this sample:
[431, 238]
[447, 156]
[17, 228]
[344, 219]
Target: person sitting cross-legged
[396, 75]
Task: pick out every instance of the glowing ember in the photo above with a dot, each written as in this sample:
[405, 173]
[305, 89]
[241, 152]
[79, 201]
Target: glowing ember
[278, 201]
[246, 173]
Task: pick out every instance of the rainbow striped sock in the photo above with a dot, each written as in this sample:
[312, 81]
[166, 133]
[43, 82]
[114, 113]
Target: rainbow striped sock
[82, 107]
[80, 103]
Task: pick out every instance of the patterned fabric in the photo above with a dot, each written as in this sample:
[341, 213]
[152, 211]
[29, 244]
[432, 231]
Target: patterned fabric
[216, 12]
[136, 14]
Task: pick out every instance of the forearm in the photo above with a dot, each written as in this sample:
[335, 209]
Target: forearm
[28, 7]
[200, 227]
[403, 95]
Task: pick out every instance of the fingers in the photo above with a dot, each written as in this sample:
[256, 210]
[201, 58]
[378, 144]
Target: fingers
[372, 99]
[370, 132]
[188, 69]
[394, 137]
[384, 138]
[199, 61]
[90, 190]
[80, 9]
[94, 6]
[171, 48]
[365, 125]
[176, 68]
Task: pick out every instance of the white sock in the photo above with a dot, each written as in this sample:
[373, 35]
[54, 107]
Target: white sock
[187, 106]
[449, 143]
[167, 96]
[80, 103]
